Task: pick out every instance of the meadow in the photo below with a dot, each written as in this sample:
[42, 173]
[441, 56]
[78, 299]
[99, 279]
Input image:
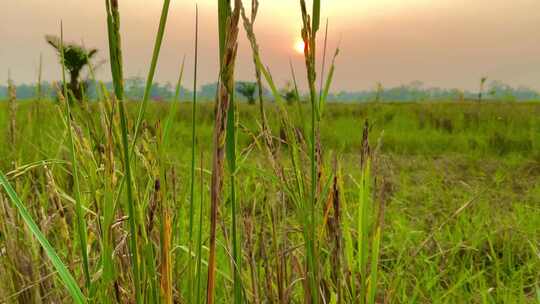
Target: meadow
[461, 190]
[292, 199]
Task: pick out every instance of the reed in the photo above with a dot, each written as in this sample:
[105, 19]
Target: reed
[224, 139]
[115, 49]
[249, 23]
[113, 22]
[309, 35]
[199, 271]
[192, 179]
[81, 224]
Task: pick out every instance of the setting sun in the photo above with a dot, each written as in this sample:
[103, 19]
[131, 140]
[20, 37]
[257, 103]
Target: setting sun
[299, 47]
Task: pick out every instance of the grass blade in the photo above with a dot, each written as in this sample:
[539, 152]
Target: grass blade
[372, 291]
[63, 272]
[193, 160]
[113, 18]
[223, 141]
[152, 71]
[81, 225]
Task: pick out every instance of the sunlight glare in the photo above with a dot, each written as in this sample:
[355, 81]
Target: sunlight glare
[299, 47]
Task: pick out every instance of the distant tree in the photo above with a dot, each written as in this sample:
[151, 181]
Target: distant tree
[289, 93]
[248, 90]
[482, 84]
[76, 57]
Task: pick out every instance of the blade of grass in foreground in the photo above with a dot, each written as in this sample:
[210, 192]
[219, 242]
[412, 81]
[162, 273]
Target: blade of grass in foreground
[113, 13]
[228, 34]
[309, 35]
[228, 37]
[81, 225]
[63, 272]
[230, 146]
[193, 144]
[152, 71]
[198, 274]
[113, 22]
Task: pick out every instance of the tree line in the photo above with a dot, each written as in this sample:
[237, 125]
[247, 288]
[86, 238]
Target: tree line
[247, 91]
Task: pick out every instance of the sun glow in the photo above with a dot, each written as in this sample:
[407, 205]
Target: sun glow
[299, 47]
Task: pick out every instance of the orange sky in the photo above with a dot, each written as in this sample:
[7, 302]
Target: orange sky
[448, 43]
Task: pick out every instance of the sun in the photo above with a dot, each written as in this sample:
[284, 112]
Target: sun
[299, 47]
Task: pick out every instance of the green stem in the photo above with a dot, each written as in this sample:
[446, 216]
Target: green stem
[81, 225]
[193, 150]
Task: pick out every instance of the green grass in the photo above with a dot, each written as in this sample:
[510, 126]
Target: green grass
[487, 253]
[428, 202]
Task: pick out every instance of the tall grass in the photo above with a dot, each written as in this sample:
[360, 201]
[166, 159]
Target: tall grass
[299, 230]
[225, 142]
[81, 224]
[309, 35]
[63, 272]
[113, 21]
[192, 179]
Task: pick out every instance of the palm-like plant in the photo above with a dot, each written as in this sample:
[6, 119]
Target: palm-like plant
[76, 57]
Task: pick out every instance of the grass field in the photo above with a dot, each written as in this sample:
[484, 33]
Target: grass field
[304, 201]
[459, 182]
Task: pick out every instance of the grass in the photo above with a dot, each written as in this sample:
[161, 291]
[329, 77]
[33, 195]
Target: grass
[81, 224]
[489, 251]
[432, 202]
[224, 140]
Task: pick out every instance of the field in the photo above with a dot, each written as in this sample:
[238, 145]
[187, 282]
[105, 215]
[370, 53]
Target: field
[289, 198]
[459, 182]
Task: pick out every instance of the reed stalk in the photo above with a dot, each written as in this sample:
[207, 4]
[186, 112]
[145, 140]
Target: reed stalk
[81, 223]
[198, 274]
[115, 49]
[193, 159]
[309, 35]
[249, 23]
[225, 140]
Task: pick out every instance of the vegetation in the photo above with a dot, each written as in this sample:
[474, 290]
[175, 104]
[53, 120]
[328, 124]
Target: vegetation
[74, 58]
[145, 202]
[248, 90]
[412, 92]
[487, 153]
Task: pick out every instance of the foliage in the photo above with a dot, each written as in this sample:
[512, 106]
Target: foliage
[491, 153]
[498, 91]
[428, 202]
[248, 90]
[75, 58]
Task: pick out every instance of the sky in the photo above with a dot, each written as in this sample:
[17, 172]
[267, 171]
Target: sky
[444, 43]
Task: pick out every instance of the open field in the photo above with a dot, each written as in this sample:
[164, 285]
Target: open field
[119, 193]
[460, 186]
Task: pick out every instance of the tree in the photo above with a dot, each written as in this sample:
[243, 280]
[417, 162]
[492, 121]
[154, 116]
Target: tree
[289, 93]
[482, 84]
[76, 57]
[248, 90]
